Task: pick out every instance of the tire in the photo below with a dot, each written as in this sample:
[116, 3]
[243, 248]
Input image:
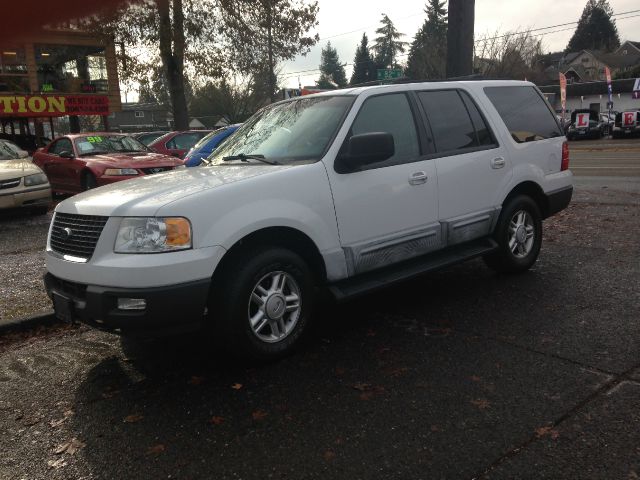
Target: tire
[88, 181]
[517, 251]
[259, 327]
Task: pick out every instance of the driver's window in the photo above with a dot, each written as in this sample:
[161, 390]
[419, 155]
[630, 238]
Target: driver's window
[61, 145]
[392, 114]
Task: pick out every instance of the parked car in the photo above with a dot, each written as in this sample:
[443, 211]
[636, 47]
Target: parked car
[208, 144]
[78, 162]
[147, 137]
[22, 184]
[178, 144]
[585, 123]
[627, 124]
[30, 143]
[347, 191]
[608, 121]
[18, 152]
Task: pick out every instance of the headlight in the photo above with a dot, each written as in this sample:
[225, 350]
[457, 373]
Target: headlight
[153, 235]
[37, 179]
[120, 171]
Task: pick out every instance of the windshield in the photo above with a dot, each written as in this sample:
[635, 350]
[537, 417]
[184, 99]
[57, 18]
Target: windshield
[286, 132]
[91, 145]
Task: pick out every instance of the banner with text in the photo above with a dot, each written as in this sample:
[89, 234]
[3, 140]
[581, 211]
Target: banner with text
[53, 105]
[563, 93]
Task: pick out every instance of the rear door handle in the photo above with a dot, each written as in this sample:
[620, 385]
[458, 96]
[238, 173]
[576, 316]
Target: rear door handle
[498, 162]
[418, 178]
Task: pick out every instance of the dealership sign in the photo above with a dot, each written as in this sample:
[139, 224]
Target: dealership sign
[53, 105]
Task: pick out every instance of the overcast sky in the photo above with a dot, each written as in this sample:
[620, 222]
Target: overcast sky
[337, 17]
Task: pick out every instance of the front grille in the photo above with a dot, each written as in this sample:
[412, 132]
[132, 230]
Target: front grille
[76, 235]
[149, 171]
[13, 182]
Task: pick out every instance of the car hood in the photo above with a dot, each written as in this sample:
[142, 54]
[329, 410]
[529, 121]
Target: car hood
[143, 196]
[134, 160]
[17, 168]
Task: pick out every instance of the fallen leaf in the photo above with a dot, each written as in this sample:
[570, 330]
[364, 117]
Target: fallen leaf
[31, 421]
[133, 418]
[329, 455]
[216, 420]
[57, 463]
[435, 428]
[156, 449]
[371, 333]
[340, 371]
[481, 403]
[195, 380]
[70, 447]
[236, 386]
[475, 378]
[57, 423]
[548, 430]
[258, 414]
[361, 386]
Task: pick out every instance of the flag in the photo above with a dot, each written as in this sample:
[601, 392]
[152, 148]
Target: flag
[563, 93]
[636, 89]
[607, 74]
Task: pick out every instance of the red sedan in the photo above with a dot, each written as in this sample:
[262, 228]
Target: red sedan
[178, 143]
[79, 162]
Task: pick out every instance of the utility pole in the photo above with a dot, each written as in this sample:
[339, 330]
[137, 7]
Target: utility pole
[460, 38]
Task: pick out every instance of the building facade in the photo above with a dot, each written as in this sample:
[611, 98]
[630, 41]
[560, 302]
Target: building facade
[57, 73]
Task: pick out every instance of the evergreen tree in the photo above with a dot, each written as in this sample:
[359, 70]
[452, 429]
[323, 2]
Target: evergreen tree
[331, 70]
[595, 30]
[364, 69]
[428, 52]
[388, 44]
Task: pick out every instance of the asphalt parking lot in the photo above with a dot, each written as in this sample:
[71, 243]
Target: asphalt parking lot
[460, 374]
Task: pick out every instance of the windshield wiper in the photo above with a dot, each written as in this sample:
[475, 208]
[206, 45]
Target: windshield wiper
[242, 157]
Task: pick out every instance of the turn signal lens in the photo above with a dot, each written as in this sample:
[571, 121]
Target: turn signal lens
[178, 232]
[565, 157]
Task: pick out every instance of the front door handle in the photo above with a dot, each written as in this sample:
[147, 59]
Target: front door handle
[498, 162]
[418, 178]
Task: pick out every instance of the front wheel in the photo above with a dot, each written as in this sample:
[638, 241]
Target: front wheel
[89, 181]
[519, 236]
[262, 309]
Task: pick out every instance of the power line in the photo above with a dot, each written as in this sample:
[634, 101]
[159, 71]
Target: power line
[293, 74]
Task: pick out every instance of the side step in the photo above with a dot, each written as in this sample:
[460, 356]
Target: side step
[370, 281]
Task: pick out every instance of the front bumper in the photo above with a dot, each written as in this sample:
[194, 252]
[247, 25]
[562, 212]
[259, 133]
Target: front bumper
[39, 196]
[169, 309]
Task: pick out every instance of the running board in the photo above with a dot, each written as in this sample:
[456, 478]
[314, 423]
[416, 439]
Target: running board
[370, 281]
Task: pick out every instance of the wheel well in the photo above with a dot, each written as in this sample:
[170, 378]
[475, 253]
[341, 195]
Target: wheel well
[286, 237]
[534, 191]
[84, 174]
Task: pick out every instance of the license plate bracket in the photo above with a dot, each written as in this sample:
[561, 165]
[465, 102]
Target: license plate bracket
[63, 307]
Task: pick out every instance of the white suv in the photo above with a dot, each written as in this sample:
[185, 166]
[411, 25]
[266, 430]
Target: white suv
[348, 190]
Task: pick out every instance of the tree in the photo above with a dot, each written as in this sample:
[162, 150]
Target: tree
[266, 32]
[388, 44]
[364, 68]
[428, 52]
[175, 32]
[460, 38]
[596, 30]
[234, 101]
[512, 55]
[331, 70]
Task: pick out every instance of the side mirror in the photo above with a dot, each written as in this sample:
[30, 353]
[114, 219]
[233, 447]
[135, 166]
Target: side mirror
[365, 149]
[66, 154]
[23, 154]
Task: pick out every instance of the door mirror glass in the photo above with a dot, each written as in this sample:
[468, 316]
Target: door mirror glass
[368, 148]
[23, 154]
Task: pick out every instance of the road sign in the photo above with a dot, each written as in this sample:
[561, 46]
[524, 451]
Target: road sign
[389, 73]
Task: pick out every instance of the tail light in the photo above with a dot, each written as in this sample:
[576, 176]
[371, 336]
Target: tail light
[565, 157]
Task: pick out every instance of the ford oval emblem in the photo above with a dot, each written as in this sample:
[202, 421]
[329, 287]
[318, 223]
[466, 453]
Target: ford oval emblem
[67, 233]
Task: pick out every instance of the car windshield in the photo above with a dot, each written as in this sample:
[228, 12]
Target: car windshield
[93, 144]
[298, 130]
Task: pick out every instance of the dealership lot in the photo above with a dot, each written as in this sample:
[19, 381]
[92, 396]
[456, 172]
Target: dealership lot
[459, 374]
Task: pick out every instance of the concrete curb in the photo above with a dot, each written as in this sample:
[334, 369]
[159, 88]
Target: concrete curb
[45, 318]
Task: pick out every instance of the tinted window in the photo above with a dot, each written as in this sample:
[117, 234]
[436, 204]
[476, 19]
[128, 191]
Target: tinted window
[524, 112]
[60, 146]
[483, 132]
[185, 141]
[391, 114]
[449, 119]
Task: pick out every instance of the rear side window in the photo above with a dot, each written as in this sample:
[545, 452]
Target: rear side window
[184, 141]
[455, 121]
[524, 112]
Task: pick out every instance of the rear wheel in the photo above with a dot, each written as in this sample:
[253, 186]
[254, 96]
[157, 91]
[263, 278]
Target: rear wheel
[262, 308]
[519, 236]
